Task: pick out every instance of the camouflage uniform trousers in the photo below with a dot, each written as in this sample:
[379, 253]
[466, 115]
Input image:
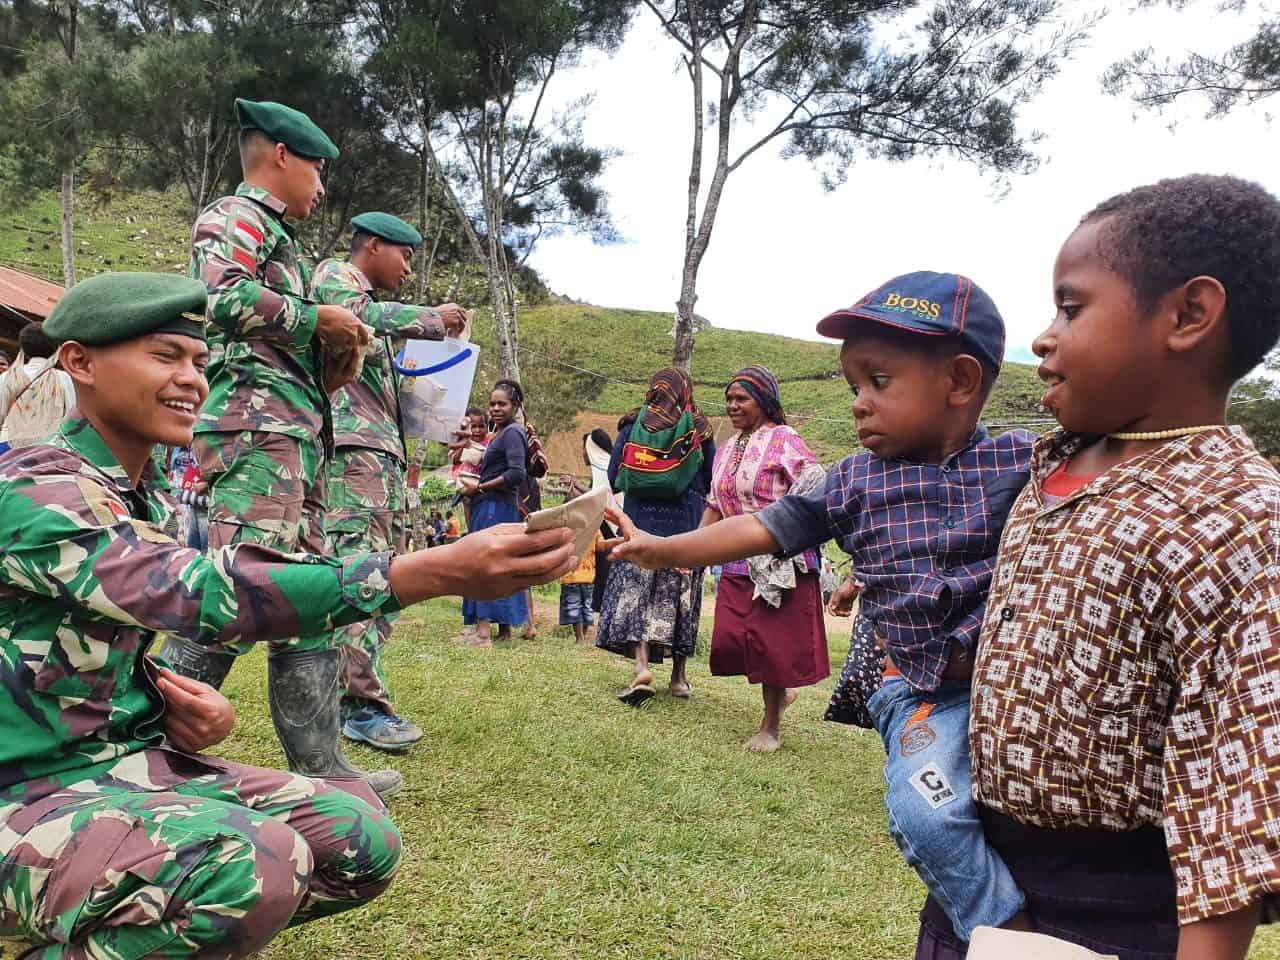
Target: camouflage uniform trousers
[173, 855]
[367, 511]
[266, 488]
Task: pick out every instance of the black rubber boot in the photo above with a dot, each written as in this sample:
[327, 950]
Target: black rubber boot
[303, 687]
[206, 664]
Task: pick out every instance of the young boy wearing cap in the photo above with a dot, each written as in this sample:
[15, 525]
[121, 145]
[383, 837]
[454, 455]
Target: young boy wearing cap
[367, 473]
[920, 512]
[1126, 696]
[120, 837]
[265, 433]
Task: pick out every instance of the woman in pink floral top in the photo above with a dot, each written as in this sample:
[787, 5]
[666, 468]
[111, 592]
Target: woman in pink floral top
[768, 624]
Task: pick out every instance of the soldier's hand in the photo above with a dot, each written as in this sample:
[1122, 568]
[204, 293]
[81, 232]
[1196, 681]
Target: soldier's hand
[340, 368]
[485, 565]
[454, 317]
[196, 715]
[842, 597]
[339, 329]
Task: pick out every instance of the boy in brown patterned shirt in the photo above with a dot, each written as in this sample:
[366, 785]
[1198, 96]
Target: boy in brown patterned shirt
[1125, 725]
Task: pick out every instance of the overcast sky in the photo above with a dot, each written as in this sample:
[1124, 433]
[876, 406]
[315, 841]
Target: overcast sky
[785, 251]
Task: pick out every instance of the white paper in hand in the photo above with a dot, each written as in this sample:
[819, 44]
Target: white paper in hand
[582, 515]
[988, 943]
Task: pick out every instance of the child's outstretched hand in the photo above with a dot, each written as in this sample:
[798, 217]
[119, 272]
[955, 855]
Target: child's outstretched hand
[633, 545]
[841, 602]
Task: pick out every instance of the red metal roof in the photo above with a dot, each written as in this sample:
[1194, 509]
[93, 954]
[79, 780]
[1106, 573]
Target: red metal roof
[28, 294]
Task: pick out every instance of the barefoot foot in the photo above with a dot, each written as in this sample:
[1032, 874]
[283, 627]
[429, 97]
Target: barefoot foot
[764, 742]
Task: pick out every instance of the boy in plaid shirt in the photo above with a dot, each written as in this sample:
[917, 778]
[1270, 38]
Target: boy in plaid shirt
[920, 512]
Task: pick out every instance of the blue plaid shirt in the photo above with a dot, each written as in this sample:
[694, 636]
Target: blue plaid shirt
[923, 539]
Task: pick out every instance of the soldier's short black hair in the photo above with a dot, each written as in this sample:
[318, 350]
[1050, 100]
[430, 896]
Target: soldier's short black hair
[35, 342]
[358, 241]
[253, 143]
[1164, 234]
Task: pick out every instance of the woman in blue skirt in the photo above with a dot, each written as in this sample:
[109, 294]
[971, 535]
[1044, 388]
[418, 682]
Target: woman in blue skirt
[494, 499]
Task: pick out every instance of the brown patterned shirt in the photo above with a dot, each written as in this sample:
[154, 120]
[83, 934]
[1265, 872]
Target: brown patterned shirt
[1129, 667]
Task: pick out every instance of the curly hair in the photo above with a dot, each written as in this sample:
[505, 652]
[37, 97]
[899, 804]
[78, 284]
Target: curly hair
[1162, 235]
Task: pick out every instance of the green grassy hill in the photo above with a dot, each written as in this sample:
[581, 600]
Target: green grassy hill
[135, 231]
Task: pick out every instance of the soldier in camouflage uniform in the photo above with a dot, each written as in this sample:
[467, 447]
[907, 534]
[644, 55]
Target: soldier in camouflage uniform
[118, 838]
[265, 433]
[367, 474]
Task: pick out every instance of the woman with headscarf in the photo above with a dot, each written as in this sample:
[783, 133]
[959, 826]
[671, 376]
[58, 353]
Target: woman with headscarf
[495, 498]
[768, 625]
[647, 614]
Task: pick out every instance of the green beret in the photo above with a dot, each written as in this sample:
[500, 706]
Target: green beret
[286, 125]
[112, 307]
[389, 228]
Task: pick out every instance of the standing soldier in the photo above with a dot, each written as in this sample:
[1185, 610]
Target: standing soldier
[266, 432]
[367, 474]
[120, 838]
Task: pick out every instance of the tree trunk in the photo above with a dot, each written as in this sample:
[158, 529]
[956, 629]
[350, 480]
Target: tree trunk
[68, 205]
[424, 202]
[682, 355]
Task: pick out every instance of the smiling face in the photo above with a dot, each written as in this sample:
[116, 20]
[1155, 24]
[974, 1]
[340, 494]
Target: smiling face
[1102, 356]
[900, 404]
[743, 410]
[501, 410]
[140, 392]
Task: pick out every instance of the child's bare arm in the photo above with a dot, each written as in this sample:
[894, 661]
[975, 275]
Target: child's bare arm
[1224, 937]
[734, 538]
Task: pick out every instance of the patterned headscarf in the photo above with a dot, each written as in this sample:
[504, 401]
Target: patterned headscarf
[763, 387]
[670, 393]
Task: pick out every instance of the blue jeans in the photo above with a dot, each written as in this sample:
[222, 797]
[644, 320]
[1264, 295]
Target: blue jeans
[932, 815]
[575, 604]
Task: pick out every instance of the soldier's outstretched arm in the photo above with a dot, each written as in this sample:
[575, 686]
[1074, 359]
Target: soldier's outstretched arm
[67, 538]
[226, 250]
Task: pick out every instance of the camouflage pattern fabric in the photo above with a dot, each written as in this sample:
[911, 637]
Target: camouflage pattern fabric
[366, 413]
[367, 497]
[87, 578]
[172, 855]
[264, 358]
[268, 489]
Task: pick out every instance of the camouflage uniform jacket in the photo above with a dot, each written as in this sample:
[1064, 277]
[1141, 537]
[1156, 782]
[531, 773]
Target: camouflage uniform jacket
[264, 364]
[366, 413]
[87, 578]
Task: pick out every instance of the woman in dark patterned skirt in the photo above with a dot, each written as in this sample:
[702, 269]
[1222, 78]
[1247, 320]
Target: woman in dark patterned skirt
[769, 625]
[647, 614]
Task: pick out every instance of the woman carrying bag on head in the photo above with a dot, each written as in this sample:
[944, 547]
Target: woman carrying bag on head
[662, 461]
[495, 499]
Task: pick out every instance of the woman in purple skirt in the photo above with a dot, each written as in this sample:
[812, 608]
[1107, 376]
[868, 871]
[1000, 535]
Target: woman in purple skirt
[769, 625]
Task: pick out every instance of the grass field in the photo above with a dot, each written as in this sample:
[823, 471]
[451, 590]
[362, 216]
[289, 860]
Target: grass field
[543, 819]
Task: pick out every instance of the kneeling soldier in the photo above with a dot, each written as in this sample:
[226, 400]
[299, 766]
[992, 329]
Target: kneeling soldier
[117, 836]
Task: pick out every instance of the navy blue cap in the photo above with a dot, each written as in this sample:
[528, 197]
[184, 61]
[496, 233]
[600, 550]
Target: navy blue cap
[931, 304]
